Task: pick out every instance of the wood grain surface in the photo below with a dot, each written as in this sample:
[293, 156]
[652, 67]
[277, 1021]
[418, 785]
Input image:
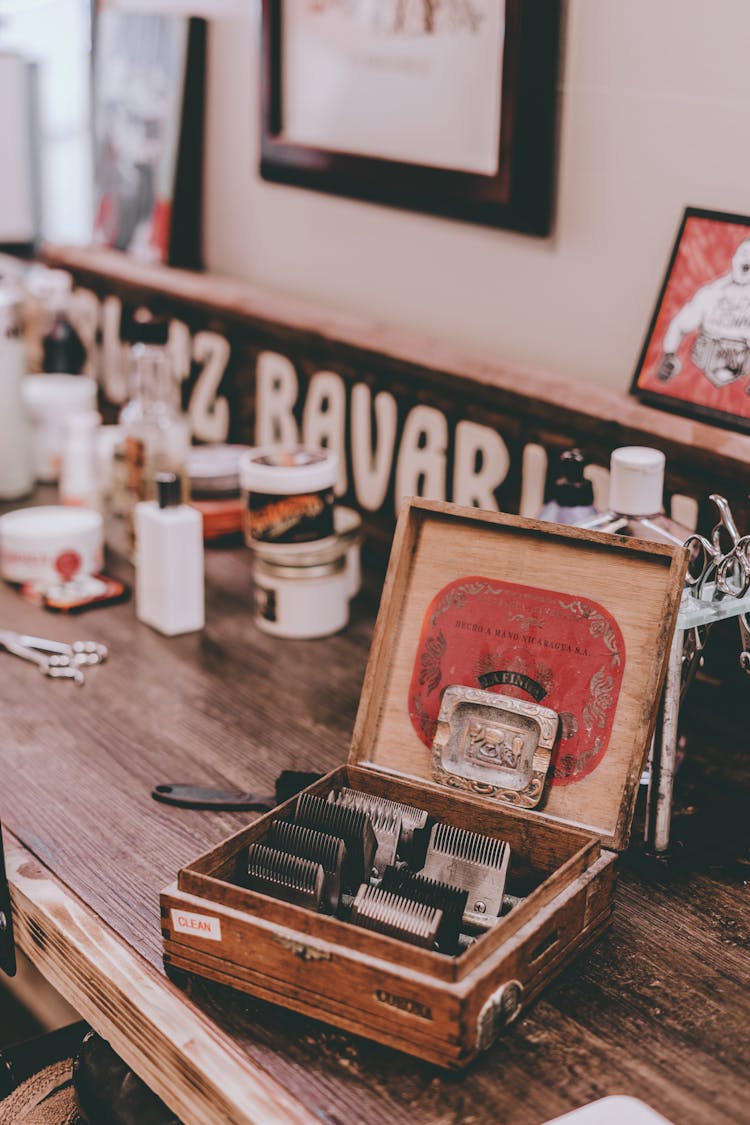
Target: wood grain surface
[658, 1008]
[143, 1018]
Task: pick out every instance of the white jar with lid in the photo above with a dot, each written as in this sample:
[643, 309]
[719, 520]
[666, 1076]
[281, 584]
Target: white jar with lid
[50, 399]
[42, 546]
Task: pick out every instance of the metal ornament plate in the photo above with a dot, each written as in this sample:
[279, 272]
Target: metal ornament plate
[493, 745]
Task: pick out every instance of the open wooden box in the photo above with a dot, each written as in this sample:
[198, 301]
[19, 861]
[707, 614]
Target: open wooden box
[582, 619]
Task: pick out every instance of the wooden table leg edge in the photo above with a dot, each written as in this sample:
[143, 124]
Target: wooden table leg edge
[177, 1050]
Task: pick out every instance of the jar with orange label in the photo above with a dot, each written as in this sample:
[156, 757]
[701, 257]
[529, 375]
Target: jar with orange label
[288, 494]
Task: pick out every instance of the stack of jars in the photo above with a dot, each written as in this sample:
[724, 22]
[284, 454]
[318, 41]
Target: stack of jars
[305, 547]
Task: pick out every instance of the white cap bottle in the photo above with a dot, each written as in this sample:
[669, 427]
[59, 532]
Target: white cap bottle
[636, 482]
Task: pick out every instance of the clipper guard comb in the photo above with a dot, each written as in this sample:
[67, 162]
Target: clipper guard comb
[414, 821]
[295, 880]
[475, 862]
[413, 922]
[450, 900]
[318, 847]
[350, 825]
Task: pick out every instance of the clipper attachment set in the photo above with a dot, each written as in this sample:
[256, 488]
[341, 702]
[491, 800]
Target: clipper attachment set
[384, 866]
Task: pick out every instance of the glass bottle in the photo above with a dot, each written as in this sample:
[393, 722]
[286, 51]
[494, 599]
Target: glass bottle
[155, 430]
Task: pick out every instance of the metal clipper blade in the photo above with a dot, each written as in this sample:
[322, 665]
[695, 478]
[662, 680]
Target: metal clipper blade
[413, 820]
[387, 829]
[413, 922]
[451, 900]
[287, 877]
[350, 825]
[471, 860]
[319, 847]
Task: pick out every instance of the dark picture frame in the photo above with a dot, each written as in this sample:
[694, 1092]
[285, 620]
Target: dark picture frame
[518, 196]
[695, 359]
[148, 127]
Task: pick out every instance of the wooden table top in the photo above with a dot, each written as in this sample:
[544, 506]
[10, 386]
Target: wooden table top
[656, 1010]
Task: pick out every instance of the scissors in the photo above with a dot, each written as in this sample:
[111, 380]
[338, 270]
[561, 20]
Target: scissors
[729, 570]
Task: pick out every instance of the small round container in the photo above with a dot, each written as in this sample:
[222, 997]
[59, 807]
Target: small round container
[42, 546]
[214, 472]
[49, 400]
[302, 602]
[288, 494]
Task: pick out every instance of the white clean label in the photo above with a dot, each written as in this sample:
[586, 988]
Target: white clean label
[199, 925]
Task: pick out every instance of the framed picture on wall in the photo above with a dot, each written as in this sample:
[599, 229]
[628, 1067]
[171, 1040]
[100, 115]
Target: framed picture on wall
[148, 130]
[696, 357]
[443, 106]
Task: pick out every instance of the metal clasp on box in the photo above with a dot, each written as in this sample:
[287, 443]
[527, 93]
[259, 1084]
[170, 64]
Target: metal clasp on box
[493, 745]
[501, 1009]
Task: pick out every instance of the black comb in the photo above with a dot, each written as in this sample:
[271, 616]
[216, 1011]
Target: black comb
[417, 888]
[349, 825]
[319, 847]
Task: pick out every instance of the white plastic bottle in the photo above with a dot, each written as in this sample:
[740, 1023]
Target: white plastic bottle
[80, 477]
[169, 583]
[16, 474]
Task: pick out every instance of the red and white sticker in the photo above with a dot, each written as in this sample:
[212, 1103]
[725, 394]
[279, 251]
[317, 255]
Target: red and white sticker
[197, 925]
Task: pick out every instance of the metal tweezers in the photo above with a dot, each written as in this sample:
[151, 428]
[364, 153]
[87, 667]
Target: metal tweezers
[54, 658]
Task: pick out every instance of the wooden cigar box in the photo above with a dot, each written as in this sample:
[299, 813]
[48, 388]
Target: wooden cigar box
[575, 621]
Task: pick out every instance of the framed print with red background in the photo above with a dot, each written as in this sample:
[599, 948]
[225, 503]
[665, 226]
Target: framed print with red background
[696, 357]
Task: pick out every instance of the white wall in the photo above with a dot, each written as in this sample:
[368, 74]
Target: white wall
[55, 34]
[655, 114]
